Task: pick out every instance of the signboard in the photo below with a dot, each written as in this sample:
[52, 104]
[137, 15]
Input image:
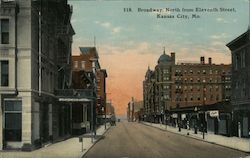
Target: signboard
[174, 115]
[214, 113]
[74, 100]
[183, 116]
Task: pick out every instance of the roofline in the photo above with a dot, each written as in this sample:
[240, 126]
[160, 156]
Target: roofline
[236, 39]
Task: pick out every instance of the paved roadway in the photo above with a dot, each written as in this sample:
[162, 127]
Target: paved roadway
[134, 140]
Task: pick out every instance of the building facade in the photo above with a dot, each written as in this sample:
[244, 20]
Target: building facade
[185, 92]
[92, 77]
[101, 95]
[35, 48]
[240, 50]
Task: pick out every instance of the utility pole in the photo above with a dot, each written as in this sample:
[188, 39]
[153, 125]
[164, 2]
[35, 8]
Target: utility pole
[203, 122]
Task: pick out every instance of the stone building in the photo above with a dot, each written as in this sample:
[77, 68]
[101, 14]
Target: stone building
[157, 88]
[163, 84]
[35, 50]
[240, 50]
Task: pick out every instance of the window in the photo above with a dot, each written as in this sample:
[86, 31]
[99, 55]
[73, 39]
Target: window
[198, 88]
[13, 120]
[210, 72]
[83, 64]
[75, 64]
[204, 71]
[243, 58]
[4, 73]
[4, 31]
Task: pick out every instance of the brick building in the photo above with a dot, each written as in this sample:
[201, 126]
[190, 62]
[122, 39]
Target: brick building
[240, 50]
[87, 74]
[176, 93]
[198, 84]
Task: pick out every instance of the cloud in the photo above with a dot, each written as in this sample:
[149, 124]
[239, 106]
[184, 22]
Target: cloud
[219, 36]
[116, 30]
[106, 24]
[109, 26]
[221, 20]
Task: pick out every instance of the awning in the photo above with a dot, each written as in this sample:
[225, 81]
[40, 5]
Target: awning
[74, 100]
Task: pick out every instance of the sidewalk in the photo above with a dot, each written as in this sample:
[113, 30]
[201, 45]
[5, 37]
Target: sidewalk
[242, 144]
[70, 148]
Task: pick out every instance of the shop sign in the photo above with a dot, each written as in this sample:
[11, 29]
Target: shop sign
[214, 113]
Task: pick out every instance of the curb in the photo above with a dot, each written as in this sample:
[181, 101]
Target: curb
[86, 151]
[195, 138]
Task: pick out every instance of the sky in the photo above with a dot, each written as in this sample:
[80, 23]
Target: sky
[129, 42]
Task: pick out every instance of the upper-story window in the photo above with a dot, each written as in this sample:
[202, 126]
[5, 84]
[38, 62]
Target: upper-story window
[4, 30]
[83, 64]
[204, 71]
[75, 64]
[4, 73]
[210, 72]
[243, 58]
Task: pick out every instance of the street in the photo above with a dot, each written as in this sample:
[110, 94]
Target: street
[134, 140]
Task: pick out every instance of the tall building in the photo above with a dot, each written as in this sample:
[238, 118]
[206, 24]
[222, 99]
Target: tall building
[163, 84]
[172, 90]
[240, 50]
[149, 95]
[199, 84]
[157, 88]
[35, 50]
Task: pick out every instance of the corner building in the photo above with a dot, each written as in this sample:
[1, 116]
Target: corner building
[35, 50]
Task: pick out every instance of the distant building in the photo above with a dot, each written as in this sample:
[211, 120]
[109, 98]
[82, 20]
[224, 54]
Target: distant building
[172, 92]
[133, 110]
[149, 95]
[163, 84]
[240, 49]
[199, 84]
[101, 93]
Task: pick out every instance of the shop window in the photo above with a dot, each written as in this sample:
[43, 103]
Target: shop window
[13, 120]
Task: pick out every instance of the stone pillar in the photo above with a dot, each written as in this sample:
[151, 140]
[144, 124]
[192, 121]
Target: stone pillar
[1, 123]
[26, 122]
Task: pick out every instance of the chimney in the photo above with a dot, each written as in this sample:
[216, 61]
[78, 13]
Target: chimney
[210, 61]
[202, 60]
[173, 57]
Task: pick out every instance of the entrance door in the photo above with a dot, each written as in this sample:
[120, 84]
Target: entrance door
[12, 121]
[44, 123]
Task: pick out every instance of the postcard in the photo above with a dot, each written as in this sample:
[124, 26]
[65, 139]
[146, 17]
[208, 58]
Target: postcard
[124, 78]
